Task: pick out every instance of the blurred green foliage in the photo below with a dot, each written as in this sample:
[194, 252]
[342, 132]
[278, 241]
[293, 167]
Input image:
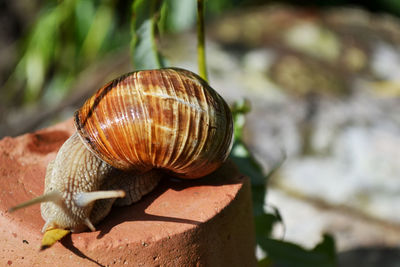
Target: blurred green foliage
[67, 37]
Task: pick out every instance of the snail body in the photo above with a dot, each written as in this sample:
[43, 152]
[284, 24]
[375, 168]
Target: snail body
[128, 134]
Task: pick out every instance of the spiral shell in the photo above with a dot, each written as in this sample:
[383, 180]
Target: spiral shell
[169, 119]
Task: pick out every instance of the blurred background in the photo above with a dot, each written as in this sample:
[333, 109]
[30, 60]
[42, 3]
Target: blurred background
[322, 79]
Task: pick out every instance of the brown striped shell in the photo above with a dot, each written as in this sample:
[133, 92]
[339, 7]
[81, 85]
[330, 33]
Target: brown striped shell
[167, 118]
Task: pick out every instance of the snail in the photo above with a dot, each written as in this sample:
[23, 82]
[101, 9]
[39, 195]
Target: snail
[128, 134]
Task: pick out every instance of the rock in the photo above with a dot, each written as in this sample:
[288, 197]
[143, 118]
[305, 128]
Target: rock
[205, 222]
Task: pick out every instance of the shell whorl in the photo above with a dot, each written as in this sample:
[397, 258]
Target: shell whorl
[169, 119]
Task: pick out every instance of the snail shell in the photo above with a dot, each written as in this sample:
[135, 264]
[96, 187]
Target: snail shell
[169, 119]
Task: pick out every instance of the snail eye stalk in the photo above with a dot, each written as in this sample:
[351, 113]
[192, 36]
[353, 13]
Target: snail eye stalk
[83, 199]
[53, 196]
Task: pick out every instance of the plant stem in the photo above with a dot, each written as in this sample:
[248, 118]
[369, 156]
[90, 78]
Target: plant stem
[201, 51]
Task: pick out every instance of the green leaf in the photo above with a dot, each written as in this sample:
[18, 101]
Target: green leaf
[97, 32]
[288, 254]
[264, 223]
[251, 168]
[84, 15]
[239, 110]
[178, 15]
[40, 49]
[145, 54]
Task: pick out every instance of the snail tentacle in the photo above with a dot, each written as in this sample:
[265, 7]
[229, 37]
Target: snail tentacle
[90, 225]
[83, 199]
[52, 196]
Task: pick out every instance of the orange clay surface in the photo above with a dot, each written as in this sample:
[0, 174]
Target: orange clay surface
[204, 222]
